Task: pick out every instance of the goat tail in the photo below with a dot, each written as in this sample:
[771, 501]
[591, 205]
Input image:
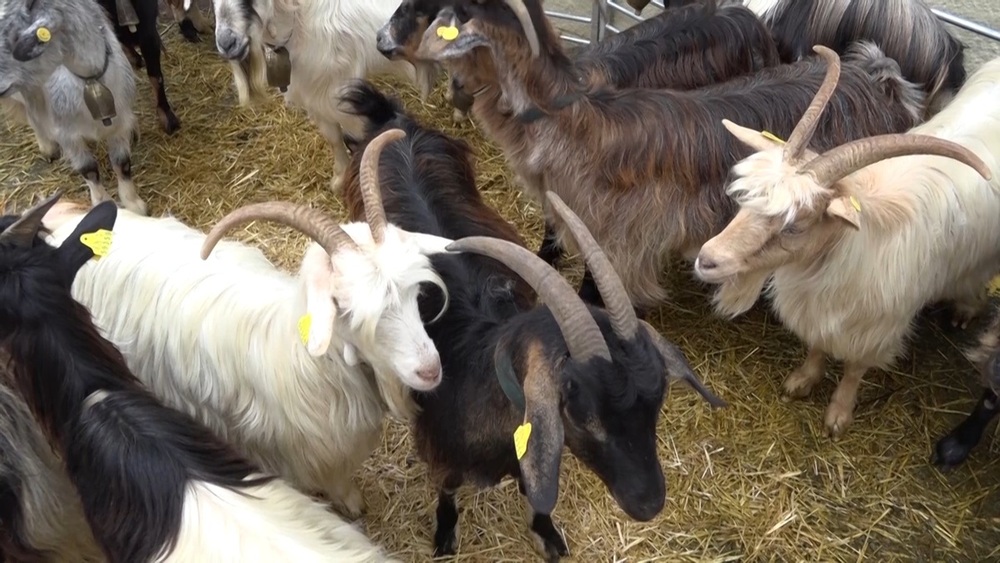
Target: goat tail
[364, 100]
[889, 76]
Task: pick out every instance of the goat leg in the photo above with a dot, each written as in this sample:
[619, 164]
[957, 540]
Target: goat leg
[120, 153]
[550, 251]
[549, 541]
[149, 44]
[133, 57]
[84, 163]
[446, 525]
[48, 146]
[954, 447]
[332, 132]
[840, 412]
[800, 382]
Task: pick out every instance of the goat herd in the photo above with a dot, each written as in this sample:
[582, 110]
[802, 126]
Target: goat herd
[198, 399]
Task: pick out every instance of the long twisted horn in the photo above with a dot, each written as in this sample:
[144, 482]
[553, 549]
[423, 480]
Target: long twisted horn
[580, 331]
[23, 231]
[803, 132]
[850, 157]
[310, 222]
[521, 11]
[370, 188]
[616, 300]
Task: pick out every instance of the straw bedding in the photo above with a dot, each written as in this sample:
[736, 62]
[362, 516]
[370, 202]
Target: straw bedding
[758, 481]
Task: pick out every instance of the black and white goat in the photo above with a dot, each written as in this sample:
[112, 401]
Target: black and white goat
[588, 378]
[155, 485]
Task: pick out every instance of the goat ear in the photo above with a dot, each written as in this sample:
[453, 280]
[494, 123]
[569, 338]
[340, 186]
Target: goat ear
[90, 238]
[446, 38]
[538, 442]
[847, 208]
[430, 244]
[316, 327]
[753, 139]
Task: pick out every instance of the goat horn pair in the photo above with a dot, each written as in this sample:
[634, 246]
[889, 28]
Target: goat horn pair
[25, 229]
[371, 192]
[521, 11]
[841, 161]
[616, 300]
[310, 222]
[580, 331]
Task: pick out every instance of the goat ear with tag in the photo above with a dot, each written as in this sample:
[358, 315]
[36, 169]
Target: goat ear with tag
[447, 38]
[91, 238]
[846, 208]
[538, 442]
[317, 271]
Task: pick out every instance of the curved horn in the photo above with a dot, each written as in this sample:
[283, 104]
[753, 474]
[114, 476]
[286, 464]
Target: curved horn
[803, 132]
[583, 337]
[23, 231]
[838, 162]
[310, 222]
[521, 11]
[678, 367]
[370, 188]
[612, 290]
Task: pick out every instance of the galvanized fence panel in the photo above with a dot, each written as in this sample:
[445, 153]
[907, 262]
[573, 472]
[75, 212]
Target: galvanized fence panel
[578, 27]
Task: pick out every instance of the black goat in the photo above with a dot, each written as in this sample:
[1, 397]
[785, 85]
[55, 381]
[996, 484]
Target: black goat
[551, 375]
[139, 30]
[154, 484]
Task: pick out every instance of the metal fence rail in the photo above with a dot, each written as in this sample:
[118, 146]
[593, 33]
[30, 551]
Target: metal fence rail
[597, 31]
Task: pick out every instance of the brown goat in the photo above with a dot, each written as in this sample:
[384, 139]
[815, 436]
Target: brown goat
[646, 169]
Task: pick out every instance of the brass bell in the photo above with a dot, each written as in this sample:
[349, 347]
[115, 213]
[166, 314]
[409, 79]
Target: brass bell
[278, 67]
[126, 14]
[100, 101]
[638, 5]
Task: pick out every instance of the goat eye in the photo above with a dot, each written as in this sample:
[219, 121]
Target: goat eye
[792, 229]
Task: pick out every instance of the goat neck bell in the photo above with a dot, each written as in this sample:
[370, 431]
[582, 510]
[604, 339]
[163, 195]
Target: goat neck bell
[126, 14]
[100, 101]
[278, 67]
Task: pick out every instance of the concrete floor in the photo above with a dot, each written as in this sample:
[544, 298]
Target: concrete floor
[978, 48]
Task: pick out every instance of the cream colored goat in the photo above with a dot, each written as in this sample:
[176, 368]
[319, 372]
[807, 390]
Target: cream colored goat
[850, 245]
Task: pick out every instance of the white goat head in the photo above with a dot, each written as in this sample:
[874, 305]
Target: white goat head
[239, 24]
[361, 280]
[793, 202]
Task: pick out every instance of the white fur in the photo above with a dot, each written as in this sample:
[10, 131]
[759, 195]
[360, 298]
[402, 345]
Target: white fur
[330, 42]
[264, 524]
[219, 339]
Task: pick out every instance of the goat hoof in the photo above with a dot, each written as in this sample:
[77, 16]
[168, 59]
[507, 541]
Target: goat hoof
[838, 418]
[137, 206]
[168, 121]
[797, 385]
[950, 452]
[445, 543]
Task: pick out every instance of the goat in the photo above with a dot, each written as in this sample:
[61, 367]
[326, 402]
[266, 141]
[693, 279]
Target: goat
[954, 447]
[219, 338]
[154, 484]
[135, 26]
[40, 515]
[586, 376]
[906, 30]
[326, 42]
[190, 20]
[852, 243]
[684, 49]
[646, 168]
[60, 58]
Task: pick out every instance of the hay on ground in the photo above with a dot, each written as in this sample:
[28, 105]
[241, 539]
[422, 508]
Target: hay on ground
[756, 482]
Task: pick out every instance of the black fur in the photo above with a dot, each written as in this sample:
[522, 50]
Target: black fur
[140, 454]
[147, 38]
[954, 448]
[465, 425]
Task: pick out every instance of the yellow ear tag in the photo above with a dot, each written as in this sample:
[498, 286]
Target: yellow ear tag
[43, 34]
[855, 203]
[305, 323]
[994, 286]
[99, 242]
[771, 136]
[447, 32]
[521, 439]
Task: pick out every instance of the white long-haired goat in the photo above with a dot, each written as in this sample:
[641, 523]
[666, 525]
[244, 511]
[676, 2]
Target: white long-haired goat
[329, 44]
[853, 243]
[220, 338]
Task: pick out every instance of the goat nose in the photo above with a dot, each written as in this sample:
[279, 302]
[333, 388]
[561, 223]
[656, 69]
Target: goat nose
[430, 372]
[702, 263]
